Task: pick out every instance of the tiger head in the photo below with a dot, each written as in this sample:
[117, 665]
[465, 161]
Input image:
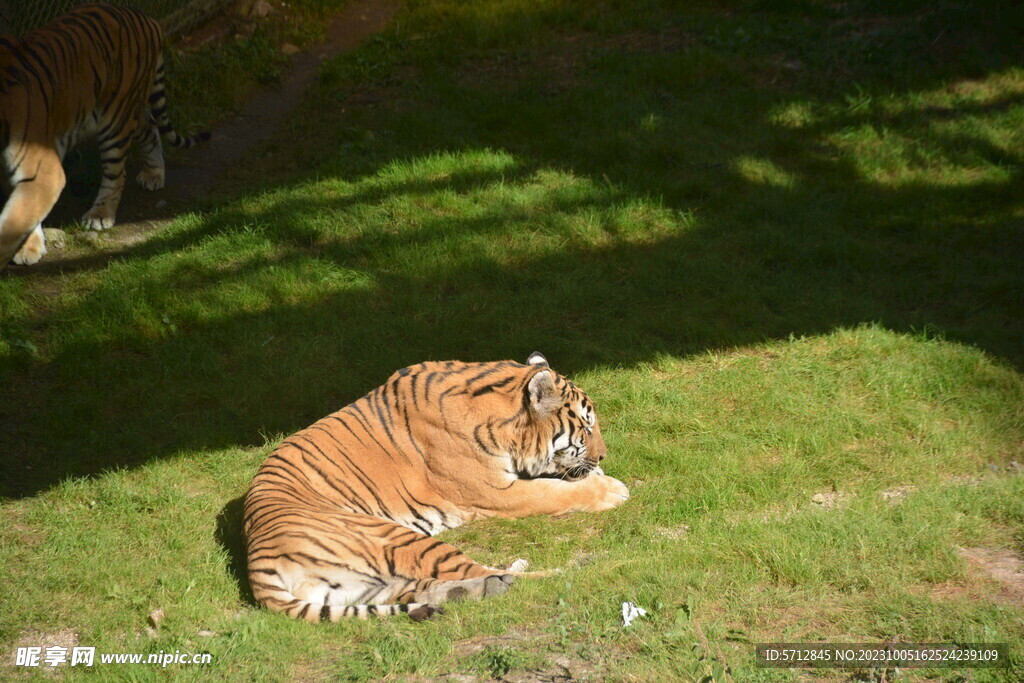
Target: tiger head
[560, 437]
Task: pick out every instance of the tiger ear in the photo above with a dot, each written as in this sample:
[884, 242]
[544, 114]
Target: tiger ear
[543, 394]
[537, 358]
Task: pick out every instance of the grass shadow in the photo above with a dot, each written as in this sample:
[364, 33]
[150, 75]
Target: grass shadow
[625, 186]
[229, 537]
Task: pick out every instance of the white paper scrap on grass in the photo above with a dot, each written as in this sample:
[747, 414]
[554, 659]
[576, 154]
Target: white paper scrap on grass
[630, 612]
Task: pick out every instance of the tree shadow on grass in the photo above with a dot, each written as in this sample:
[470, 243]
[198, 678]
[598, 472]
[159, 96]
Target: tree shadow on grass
[237, 377]
[711, 215]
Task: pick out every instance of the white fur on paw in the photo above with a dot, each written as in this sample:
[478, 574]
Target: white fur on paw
[97, 222]
[597, 470]
[150, 179]
[611, 492]
[33, 249]
[519, 565]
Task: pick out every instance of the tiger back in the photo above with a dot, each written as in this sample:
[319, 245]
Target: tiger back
[339, 519]
[95, 71]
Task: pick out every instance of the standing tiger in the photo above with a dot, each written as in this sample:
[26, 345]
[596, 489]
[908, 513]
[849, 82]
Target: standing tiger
[339, 518]
[96, 70]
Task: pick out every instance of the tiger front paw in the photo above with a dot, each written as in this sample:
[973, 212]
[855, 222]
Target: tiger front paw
[609, 492]
[33, 249]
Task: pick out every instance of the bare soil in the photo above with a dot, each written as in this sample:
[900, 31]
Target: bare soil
[1005, 567]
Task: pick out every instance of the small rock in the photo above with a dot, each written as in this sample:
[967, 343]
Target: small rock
[289, 49]
[206, 634]
[519, 565]
[151, 633]
[829, 501]
[155, 617]
[55, 237]
[994, 467]
[89, 236]
[260, 9]
[161, 204]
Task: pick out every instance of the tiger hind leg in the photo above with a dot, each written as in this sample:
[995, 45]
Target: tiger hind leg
[327, 597]
[113, 154]
[434, 591]
[309, 567]
[151, 177]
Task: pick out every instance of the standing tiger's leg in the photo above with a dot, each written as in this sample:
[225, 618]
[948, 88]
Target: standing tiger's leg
[32, 249]
[30, 201]
[151, 177]
[114, 155]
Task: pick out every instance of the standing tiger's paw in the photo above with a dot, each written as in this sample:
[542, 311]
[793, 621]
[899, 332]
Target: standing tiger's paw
[150, 178]
[609, 492]
[98, 219]
[33, 249]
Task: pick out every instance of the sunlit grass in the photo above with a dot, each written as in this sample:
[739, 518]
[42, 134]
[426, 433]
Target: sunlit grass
[787, 273]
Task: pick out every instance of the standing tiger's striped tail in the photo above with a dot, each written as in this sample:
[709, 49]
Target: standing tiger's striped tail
[158, 113]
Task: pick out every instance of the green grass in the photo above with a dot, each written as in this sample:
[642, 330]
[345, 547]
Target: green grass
[778, 243]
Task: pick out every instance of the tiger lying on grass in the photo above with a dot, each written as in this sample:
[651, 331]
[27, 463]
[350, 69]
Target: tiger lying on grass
[96, 71]
[339, 518]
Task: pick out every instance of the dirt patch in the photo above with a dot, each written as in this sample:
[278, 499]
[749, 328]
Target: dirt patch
[896, 494]
[62, 642]
[673, 533]
[471, 646]
[830, 500]
[560, 668]
[265, 113]
[558, 674]
[1005, 567]
[28, 536]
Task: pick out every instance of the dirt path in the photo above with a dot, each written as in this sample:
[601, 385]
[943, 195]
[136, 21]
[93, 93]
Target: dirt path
[268, 109]
[191, 174]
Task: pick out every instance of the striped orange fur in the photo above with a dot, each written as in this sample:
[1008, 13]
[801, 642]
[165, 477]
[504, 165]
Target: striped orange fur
[95, 71]
[340, 517]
